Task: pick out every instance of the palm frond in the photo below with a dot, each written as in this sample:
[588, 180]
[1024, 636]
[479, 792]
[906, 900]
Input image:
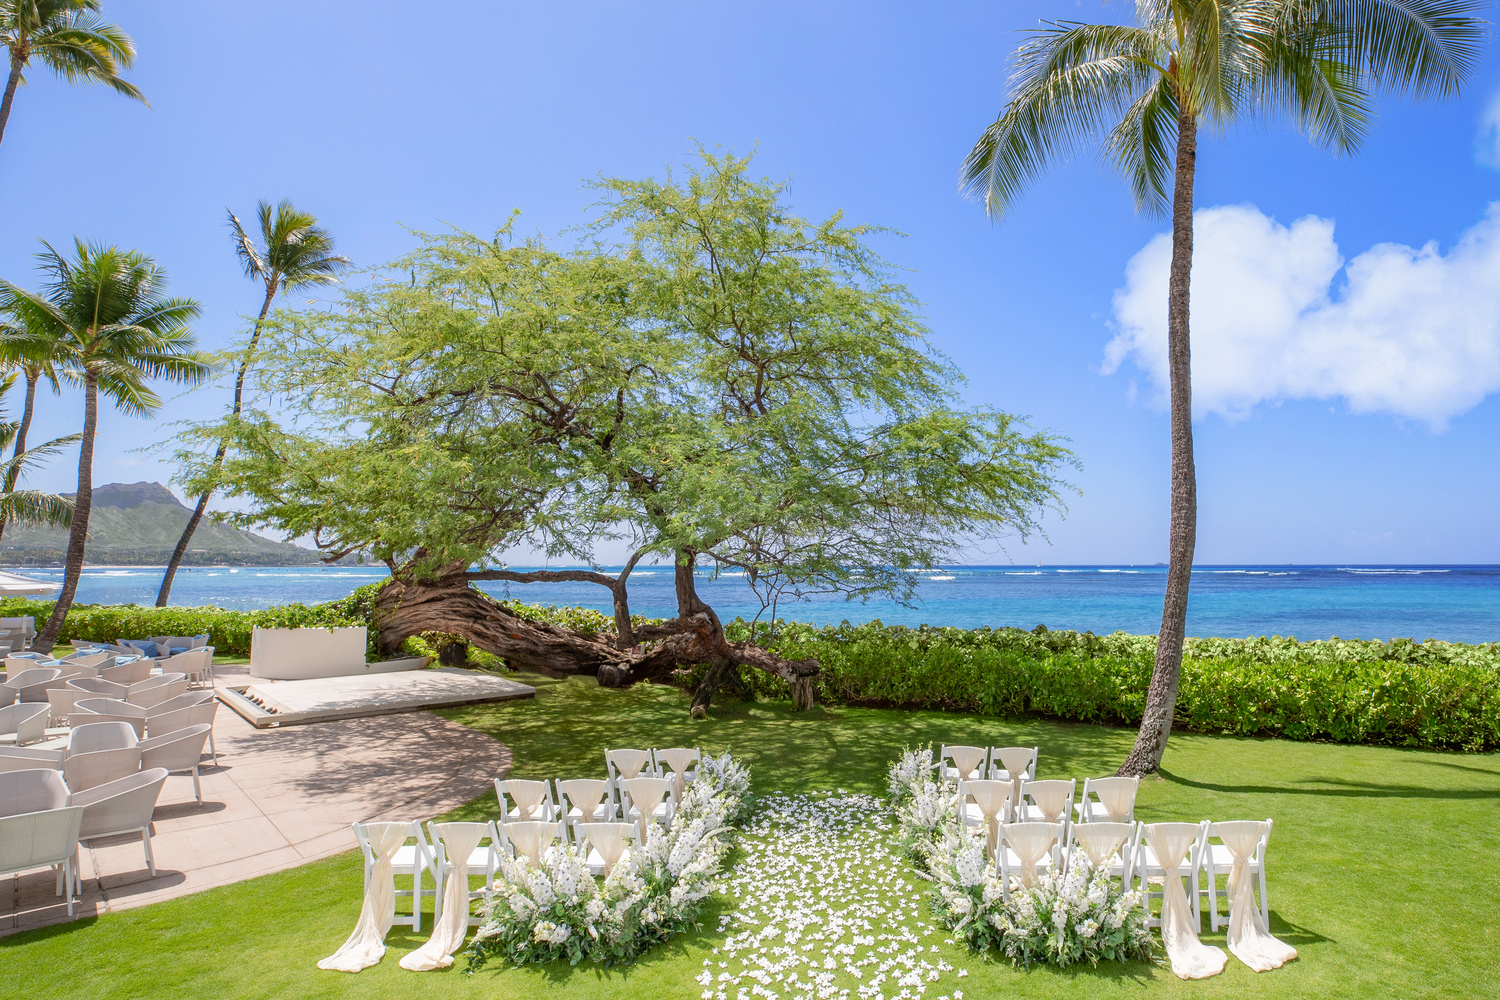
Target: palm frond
[33, 507]
[1427, 48]
[1141, 147]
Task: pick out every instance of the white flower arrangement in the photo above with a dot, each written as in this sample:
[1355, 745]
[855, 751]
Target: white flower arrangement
[558, 909]
[1079, 914]
[926, 810]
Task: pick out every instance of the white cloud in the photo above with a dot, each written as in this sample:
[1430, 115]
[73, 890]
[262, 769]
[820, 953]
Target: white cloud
[1411, 333]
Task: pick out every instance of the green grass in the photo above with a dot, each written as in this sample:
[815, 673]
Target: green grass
[1381, 865]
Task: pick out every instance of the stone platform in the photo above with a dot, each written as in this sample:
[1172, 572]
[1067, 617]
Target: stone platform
[266, 704]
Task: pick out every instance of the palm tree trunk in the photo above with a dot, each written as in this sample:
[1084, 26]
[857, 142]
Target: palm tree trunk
[82, 503]
[1161, 697]
[15, 473]
[197, 516]
[17, 62]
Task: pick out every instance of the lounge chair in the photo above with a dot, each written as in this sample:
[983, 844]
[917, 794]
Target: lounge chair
[180, 753]
[39, 839]
[183, 717]
[121, 806]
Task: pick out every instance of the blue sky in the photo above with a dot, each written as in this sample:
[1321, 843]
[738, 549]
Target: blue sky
[1363, 437]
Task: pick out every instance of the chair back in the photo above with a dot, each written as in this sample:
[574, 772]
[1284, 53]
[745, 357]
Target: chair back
[31, 791]
[963, 763]
[363, 833]
[86, 770]
[26, 758]
[622, 764]
[96, 661]
[149, 694]
[454, 842]
[9, 695]
[1176, 845]
[30, 840]
[179, 751]
[1053, 798]
[1032, 843]
[529, 799]
[170, 722]
[530, 838]
[1245, 838]
[1116, 799]
[1013, 763]
[609, 839]
[188, 700]
[94, 736]
[590, 796]
[120, 806]
[32, 676]
[197, 663]
[110, 706]
[100, 687]
[27, 720]
[127, 673]
[1098, 842]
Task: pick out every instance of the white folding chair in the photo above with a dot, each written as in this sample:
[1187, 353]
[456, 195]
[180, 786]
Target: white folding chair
[481, 863]
[1149, 869]
[1219, 860]
[1106, 845]
[1026, 851]
[529, 799]
[584, 800]
[962, 763]
[1107, 800]
[680, 764]
[42, 839]
[606, 843]
[1049, 801]
[648, 801]
[622, 764]
[1022, 761]
[411, 859]
[529, 837]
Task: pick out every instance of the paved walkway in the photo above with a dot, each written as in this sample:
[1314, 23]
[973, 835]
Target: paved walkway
[279, 798]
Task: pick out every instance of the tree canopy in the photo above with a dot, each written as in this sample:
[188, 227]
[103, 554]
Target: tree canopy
[705, 376]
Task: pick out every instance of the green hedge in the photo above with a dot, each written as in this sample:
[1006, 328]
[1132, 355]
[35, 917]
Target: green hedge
[1399, 693]
[1432, 694]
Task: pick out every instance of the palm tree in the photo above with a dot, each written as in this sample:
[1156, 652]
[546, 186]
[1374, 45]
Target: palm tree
[1144, 89]
[294, 252]
[31, 507]
[32, 355]
[115, 331]
[69, 38]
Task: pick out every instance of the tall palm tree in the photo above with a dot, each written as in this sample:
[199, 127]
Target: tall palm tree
[116, 329]
[69, 38]
[293, 252]
[1144, 89]
[33, 355]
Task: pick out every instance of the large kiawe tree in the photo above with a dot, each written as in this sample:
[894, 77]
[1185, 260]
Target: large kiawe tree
[1143, 91]
[710, 378]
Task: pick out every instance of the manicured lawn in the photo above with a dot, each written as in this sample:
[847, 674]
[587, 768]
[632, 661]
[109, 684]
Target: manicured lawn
[1381, 865]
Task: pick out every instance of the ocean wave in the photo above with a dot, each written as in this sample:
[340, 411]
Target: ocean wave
[1358, 571]
[941, 578]
[1024, 572]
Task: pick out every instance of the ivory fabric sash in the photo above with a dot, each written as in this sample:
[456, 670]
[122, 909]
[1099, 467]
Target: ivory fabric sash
[1190, 958]
[991, 798]
[629, 762]
[1051, 798]
[366, 946]
[1030, 842]
[585, 793]
[1015, 760]
[609, 839]
[966, 760]
[1250, 939]
[1100, 841]
[530, 837]
[645, 794]
[679, 759]
[459, 841]
[528, 795]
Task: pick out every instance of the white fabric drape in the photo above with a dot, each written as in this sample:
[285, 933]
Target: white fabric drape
[459, 841]
[1250, 939]
[1015, 760]
[966, 760]
[629, 762]
[587, 794]
[1116, 797]
[644, 795]
[1100, 841]
[366, 946]
[991, 797]
[1030, 842]
[678, 759]
[531, 838]
[609, 839]
[1051, 798]
[1190, 958]
[528, 795]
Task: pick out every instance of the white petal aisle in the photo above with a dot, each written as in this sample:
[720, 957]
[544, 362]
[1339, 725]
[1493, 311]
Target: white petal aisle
[822, 908]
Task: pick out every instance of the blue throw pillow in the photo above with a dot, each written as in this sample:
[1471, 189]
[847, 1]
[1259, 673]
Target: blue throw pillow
[178, 649]
[146, 648]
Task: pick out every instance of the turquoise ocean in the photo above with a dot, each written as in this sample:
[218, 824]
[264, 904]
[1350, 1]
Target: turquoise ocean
[1456, 603]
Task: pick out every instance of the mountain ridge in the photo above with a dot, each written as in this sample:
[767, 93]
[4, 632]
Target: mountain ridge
[138, 524]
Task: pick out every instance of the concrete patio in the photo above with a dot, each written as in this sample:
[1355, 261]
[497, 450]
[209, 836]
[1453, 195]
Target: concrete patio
[279, 798]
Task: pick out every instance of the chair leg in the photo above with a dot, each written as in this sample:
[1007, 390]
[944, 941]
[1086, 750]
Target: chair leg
[68, 874]
[213, 751]
[146, 841]
[197, 790]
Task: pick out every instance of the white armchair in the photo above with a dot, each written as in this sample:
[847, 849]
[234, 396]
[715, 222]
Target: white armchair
[197, 664]
[121, 806]
[177, 719]
[25, 722]
[109, 710]
[179, 752]
[40, 839]
[89, 770]
[31, 791]
[95, 736]
[127, 673]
